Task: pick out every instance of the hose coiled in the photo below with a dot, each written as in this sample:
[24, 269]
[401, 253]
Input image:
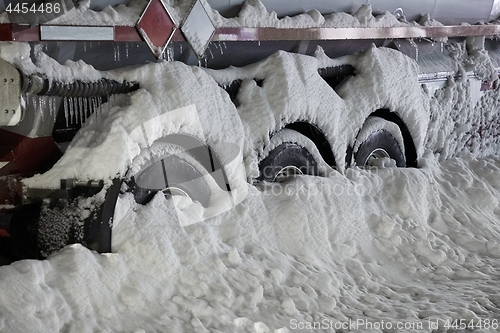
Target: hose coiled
[103, 87]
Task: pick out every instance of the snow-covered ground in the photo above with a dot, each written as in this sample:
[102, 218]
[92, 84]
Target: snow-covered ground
[394, 246]
[368, 249]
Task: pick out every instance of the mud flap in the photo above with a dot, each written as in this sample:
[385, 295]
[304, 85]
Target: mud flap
[22, 242]
[98, 231]
[44, 227]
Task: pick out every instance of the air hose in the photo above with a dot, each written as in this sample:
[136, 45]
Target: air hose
[42, 86]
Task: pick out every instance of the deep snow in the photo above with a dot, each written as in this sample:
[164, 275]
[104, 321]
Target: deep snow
[385, 246]
[398, 245]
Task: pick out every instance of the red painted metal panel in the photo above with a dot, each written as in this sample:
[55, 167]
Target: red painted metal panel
[5, 32]
[158, 26]
[156, 23]
[126, 34]
[25, 33]
[178, 37]
[23, 154]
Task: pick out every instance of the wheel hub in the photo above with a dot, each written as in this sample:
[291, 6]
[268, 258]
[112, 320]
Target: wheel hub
[375, 155]
[287, 172]
[173, 190]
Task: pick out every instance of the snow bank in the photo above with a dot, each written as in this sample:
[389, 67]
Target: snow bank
[254, 14]
[463, 118]
[396, 245]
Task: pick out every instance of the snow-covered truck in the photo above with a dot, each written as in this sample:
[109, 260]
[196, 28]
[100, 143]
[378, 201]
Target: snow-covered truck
[198, 99]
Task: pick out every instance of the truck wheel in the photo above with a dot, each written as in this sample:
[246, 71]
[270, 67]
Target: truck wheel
[173, 172]
[286, 160]
[378, 140]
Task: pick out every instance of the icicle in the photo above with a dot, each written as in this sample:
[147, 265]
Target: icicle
[118, 51]
[258, 43]
[90, 44]
[84, 47]
[168, 54]
[91, 105]
[70, 109]
[75, 107]
[108, 110]
[99, 104]
[225, 46]
[126, 50]
[115, 53]
[80, 110]
[66, 111]
[49, 106]
[442, 47]
[412, 43]
[85, 107]
[180, 48]
[42, 105]
[78, 114]
[211, 54]
[111, 100]
[96, 106]
[31, 101]
[34, 102]
[52, 107]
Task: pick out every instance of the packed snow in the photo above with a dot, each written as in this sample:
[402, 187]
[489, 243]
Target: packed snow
[373, 250]
[403, 246]
[400, 246]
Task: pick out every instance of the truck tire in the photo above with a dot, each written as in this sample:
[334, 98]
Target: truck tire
[287, 159]
[170, 173]
[378, 139]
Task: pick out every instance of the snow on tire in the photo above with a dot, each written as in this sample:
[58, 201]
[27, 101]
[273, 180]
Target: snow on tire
[170, 169]
[291, 154]
[379, 141]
